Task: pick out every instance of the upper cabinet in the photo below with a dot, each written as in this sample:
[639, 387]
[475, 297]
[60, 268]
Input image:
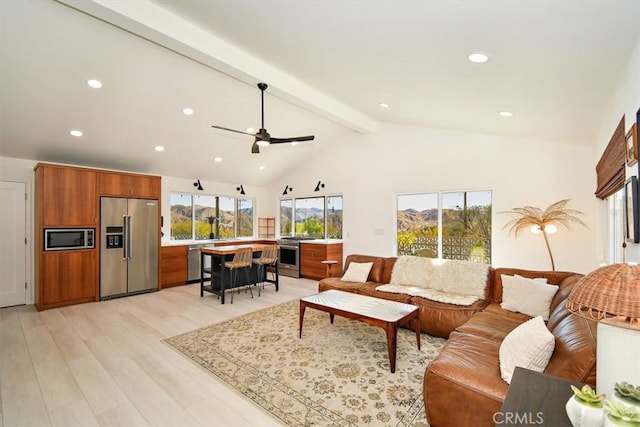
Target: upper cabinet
[66, 195]
[129, 185]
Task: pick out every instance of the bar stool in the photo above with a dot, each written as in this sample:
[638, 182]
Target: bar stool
[268, 257]
[330, 263]
[242, 259]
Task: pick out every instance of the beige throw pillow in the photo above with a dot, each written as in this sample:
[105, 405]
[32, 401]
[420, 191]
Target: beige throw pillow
[528, 296]
[357, 272]
[530, 346]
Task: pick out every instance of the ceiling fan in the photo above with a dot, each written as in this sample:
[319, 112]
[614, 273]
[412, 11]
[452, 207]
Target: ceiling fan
[262, 137]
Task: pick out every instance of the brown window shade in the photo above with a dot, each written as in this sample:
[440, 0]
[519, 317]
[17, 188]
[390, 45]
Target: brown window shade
[610, 168]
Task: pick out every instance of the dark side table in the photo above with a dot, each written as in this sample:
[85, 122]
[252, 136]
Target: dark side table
[535, 399]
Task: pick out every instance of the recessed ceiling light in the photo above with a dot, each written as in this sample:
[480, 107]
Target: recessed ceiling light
[76, 132]
[158, 148]
[250, 130]
[505, 113]
[478, 58]
[383, 105]
[217, 159]
[96, 84]
[261, 167]
[187, 111]
[294, 143]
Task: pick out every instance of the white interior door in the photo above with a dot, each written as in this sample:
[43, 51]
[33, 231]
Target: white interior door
[13, 248]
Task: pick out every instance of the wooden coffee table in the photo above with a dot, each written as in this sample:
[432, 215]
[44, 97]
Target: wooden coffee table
[389, 315]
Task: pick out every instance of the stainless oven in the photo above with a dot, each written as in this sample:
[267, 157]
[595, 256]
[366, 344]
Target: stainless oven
[289, 261]
[64, 239]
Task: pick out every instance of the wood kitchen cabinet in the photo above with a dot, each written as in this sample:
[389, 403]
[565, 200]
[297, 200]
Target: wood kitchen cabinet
[66, 196]
[129, 185]
[67, 277]
[312, 255]
[173, 265]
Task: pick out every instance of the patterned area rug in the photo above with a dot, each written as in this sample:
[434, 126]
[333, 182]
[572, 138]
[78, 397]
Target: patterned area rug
[335, 375]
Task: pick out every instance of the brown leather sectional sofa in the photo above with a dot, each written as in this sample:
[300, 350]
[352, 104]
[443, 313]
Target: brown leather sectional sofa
[463, 386]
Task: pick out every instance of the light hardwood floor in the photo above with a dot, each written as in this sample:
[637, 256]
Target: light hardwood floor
[104, 363]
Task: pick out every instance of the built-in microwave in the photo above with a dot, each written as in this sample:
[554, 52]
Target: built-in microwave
[64, 239]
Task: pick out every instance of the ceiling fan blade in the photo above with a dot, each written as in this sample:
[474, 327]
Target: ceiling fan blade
[255, 148]
[293, 139]
[232, 130]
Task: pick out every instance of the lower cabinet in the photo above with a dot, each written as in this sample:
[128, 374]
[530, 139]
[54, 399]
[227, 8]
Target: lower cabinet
[173, 265]
[67, 277]
[312, 255]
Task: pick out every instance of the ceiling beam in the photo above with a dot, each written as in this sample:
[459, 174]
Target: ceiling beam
[156, 24]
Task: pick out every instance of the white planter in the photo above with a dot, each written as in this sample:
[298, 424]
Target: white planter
[584, 416]
[612, 422]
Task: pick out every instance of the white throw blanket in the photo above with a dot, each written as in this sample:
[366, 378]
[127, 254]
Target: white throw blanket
[448, 281]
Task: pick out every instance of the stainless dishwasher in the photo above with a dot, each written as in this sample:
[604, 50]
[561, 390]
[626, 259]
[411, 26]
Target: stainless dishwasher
[193, 262]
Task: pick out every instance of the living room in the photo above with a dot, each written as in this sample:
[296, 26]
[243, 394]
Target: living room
[371, 169]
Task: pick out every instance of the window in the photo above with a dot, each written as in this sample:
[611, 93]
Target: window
[181, 216]
[453, 225]
[614, 228]
[202, 217]
[286, 217]
[317, 217]
[245, 218]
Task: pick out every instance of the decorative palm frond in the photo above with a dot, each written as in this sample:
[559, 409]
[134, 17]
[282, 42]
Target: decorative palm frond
[529, 216]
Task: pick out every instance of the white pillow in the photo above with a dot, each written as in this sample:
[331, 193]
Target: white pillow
[530, 346]
[536, 279]
[528, 296]
[357, 272]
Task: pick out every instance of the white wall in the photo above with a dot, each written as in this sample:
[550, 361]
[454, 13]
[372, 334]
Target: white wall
[370, 171]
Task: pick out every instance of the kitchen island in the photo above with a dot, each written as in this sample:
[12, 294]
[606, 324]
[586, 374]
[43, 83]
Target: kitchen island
[220, 276]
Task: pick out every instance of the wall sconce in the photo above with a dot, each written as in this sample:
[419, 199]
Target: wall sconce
[319, 185]
[198, 185]
[241, 190]
[287, 188]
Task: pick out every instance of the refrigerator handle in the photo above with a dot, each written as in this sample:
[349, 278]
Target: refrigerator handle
[127, 237]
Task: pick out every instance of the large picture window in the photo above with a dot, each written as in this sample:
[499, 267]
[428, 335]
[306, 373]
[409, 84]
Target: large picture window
[317, 217]
[454, 225]
[204, 217]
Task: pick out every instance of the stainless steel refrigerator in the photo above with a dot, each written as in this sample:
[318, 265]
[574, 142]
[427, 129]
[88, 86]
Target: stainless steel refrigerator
[128, 246]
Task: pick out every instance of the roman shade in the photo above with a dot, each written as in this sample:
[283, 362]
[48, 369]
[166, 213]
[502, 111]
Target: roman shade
[610, 168]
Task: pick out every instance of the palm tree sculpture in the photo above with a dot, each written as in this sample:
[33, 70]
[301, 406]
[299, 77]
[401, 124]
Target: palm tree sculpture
[536, 218]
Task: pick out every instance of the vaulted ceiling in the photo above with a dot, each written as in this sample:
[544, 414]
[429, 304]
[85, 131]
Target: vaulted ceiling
[554, 64]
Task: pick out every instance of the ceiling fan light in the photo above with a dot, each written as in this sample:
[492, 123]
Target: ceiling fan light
[262, 142]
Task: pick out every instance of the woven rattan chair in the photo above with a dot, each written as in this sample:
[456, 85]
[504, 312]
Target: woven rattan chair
[241, 260]
[268, 257]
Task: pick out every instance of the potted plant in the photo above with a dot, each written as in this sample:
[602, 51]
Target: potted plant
[584, 408]
[627, 394]
[621, 415]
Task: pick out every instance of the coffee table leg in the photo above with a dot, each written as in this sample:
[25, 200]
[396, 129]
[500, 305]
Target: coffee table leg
[416, 327]
[331, 316]
[392, 334]
[302, 307]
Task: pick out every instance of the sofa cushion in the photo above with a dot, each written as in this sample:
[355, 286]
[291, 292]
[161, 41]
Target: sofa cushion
[466, 372]
[440, 319]
[357, 272]
[491, 325]
[528, 296]
[336, 283]
[375, 275]
[530, 346]
[574, 357]
[369, 289]
[553, 278]
[449, 281]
